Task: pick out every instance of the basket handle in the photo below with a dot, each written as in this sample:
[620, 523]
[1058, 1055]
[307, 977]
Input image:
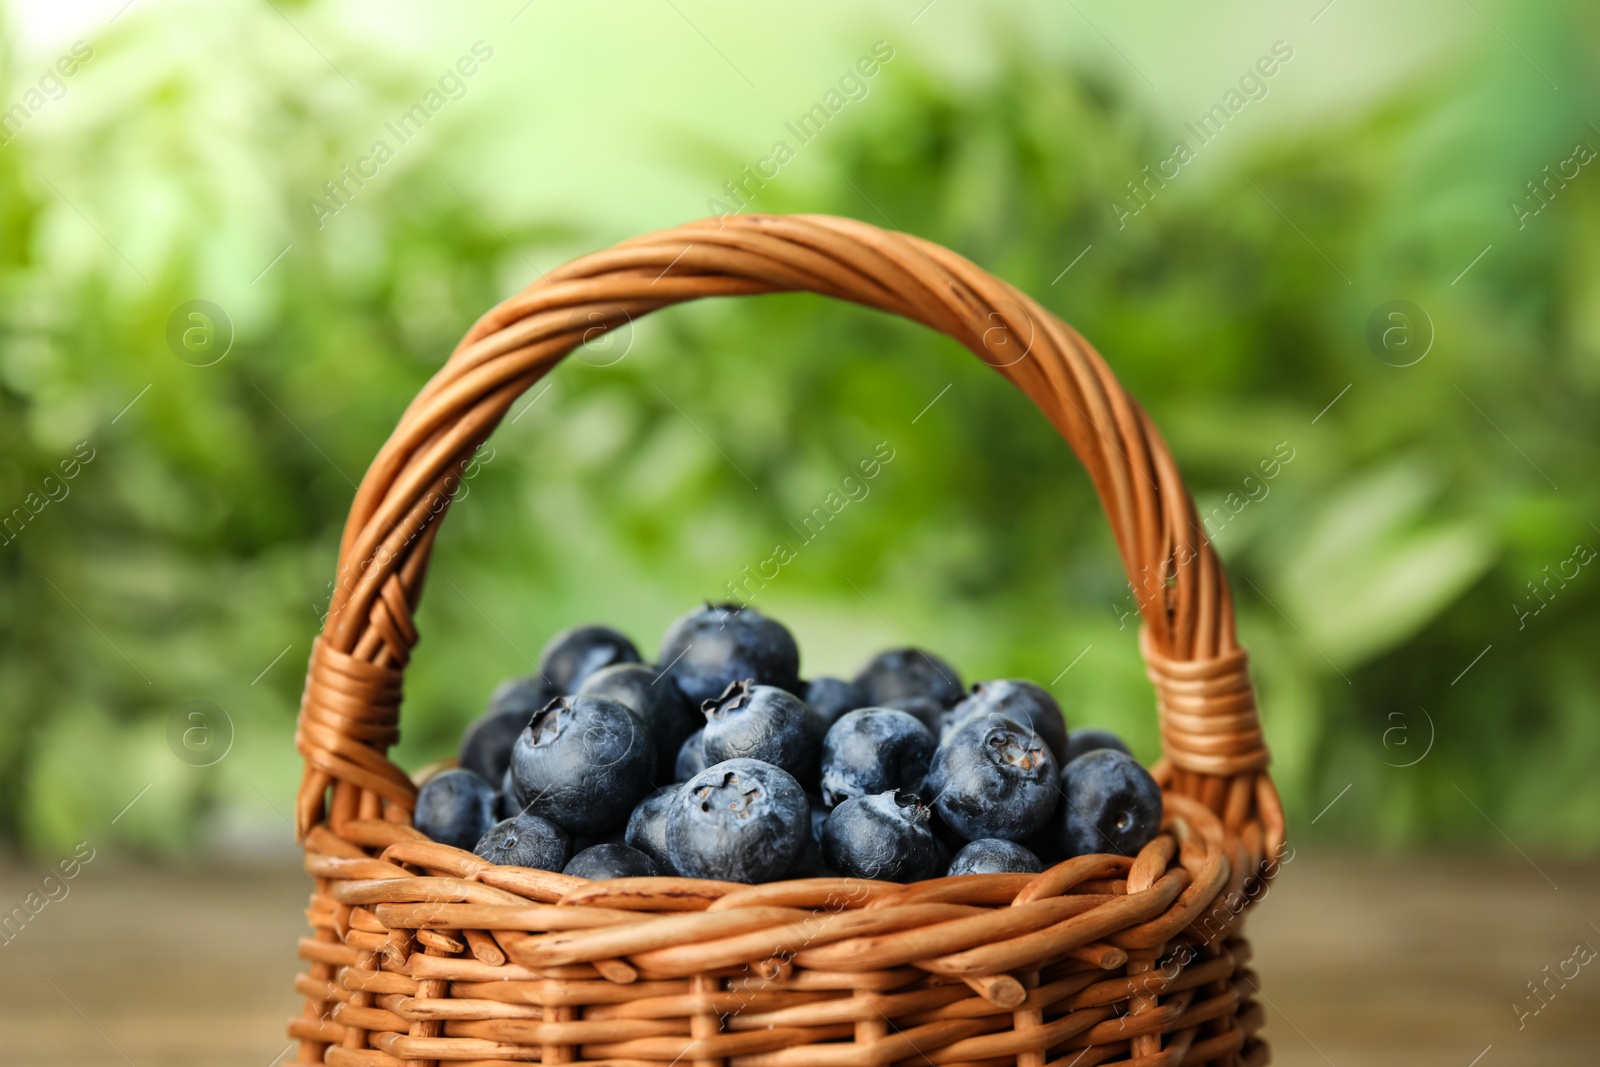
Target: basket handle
[349, 714]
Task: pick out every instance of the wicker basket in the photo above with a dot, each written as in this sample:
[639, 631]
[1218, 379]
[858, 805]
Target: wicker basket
[422, 953]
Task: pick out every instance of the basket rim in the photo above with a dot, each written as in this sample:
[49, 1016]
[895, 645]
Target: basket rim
[416, 883]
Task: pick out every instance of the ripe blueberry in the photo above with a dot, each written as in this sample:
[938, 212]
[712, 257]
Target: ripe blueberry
[992, 778]
[1087, 739]
[739, 821]
[601, 862]
[902, 673]
[572, 655]
[885, 836]
[691, 757]
[874, 750]
[763, 722]
[526, 841]
[929, 712]
[583, 762]
[486, 744]
[647, 826]
[714, 646]
[455, 808]
[615, 836]
[819, 815]
[1023, 703]
[990, 855]
[832, 697]
[1111, 804]
[507, 803]
[1045, 842]
[655, 699]
[812, 864]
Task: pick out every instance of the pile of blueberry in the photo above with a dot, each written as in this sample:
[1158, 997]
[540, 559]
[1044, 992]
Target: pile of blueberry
[723, 763]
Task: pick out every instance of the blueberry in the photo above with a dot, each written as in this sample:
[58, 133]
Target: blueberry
[486, 744]
[455, 807]
[652, 696]
[572, 655]
[1023, 703]
[874, 750]
[647, 826]
[1045, 842]
[812, 864]
[763, 722]
[526, 841]
[691, 756]
[1111, 804]
[738, 821]
[832, 697]
[1087, 739]
[524, 695]
[902, 673]
[885, 836]
[989, 855]
[992, 778]
[615, 836]
[508, 804]
[612, 861]
[929, 712]
[583, 763]
[713, 646]
[819, 815]
[951, 841]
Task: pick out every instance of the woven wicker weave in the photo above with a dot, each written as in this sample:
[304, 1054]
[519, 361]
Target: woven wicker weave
[422, 953]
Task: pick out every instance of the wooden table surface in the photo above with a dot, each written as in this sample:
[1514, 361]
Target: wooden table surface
[1363, 961]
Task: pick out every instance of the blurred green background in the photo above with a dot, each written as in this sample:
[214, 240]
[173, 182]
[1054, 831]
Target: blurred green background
[1413, 583]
